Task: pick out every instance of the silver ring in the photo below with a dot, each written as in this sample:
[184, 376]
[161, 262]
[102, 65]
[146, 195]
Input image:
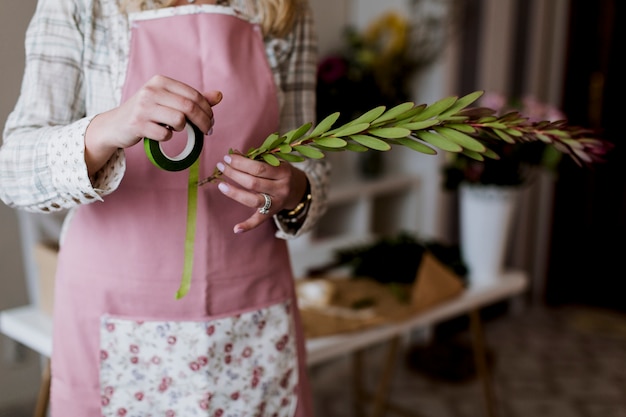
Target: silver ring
[268, 203]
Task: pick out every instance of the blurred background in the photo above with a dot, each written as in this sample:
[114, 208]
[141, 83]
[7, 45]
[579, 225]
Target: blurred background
[570, 224]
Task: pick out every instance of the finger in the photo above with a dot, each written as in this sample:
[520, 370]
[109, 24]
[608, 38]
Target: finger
[214, 97]
[255, 200]
[184, 98]
[251, 223]
[252, 175]
[247, 198]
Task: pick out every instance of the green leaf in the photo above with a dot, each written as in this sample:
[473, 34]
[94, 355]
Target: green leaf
[270, 159]
[514, 132]
[502, 135]
[330, 142]
[296, 134]
[356, 147]
[394, 112]
[544, 138]
[370, 142]
[390, 132]
[290, 157]
[439, 141]
[462, 103]
[495, 125]
[368, 117]
[435, 109]
[416, 146]
[309, 152]
[462, 127]
[462, 139]
[411, 113]
[491, 154]
[269, 141]
[285, 148]
[347, 130]
[474, 155]
[557, 133]
[325, 125]
[424, 124]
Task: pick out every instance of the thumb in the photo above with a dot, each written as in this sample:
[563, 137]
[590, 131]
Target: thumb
[214, 97]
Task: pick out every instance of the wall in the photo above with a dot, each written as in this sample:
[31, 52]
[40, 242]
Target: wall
[19, 368]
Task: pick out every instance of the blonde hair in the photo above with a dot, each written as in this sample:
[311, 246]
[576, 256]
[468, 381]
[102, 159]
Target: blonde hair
[276, 17]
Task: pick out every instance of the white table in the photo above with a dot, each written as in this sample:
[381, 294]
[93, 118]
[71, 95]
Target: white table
[29, 326]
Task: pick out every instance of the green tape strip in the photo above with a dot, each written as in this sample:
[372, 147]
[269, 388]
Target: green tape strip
[195, 141]
[192, 203]
[188, 158]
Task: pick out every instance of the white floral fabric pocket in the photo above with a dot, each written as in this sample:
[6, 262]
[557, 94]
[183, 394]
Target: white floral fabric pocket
[244, 365]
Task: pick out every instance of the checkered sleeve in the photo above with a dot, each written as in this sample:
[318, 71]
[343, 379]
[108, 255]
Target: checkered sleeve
[42, 165]
[298, 81]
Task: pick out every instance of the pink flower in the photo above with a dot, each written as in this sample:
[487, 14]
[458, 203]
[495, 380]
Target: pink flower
[332, 68]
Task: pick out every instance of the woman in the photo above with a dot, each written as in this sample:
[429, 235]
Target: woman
[101, 76]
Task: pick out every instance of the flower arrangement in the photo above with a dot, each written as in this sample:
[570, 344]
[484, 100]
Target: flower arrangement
[373, 68]
[450, 125]
[516, 160]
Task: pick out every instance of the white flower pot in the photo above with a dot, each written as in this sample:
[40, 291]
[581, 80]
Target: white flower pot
[486, 216]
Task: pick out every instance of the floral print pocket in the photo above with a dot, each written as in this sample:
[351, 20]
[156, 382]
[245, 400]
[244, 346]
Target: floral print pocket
[244, 365]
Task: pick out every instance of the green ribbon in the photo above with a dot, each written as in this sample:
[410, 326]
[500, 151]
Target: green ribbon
[188, 158]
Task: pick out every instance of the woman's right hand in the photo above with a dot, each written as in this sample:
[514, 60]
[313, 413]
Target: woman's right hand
[161, 106]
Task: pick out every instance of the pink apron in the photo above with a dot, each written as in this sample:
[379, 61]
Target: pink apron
[233, 346]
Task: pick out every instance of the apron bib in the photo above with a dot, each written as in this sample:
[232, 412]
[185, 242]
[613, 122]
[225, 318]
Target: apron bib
[233, 346]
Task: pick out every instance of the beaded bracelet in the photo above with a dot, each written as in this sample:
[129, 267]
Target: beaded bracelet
[298, 213]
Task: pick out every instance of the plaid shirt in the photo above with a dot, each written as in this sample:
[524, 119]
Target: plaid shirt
[76, 58]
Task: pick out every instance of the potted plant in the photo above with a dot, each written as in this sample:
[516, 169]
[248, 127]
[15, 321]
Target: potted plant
[489, 189]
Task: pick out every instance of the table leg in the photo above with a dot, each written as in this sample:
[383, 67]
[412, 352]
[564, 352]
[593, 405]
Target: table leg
[480, 358]
[41, 407]
[358, 391]
[382, 392]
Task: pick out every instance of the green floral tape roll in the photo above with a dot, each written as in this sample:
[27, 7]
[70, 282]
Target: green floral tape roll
[195, 141]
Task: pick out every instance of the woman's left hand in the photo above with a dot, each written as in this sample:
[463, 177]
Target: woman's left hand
[285, 185]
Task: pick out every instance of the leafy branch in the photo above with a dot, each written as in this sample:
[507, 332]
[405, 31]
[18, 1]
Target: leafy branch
[449, 124]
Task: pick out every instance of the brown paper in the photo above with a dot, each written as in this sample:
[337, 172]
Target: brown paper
[434, 284]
